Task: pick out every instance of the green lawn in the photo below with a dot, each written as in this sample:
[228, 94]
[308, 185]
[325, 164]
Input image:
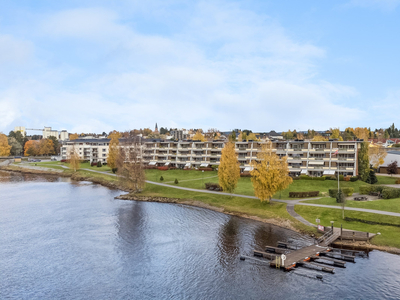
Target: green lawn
[390, 235]
[386, 180]
[392, 205]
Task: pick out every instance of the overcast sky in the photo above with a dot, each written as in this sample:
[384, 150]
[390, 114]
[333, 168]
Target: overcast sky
[94, 66]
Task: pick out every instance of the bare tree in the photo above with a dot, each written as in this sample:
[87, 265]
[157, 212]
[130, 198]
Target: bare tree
[129, 163]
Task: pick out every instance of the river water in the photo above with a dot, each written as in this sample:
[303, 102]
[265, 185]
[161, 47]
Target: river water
[72, 240]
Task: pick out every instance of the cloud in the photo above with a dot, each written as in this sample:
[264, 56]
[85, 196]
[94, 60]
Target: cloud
[225, 67]
[386, 5]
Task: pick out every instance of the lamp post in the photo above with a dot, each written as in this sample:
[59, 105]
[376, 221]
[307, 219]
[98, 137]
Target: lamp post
[332, 225]
[202, 177]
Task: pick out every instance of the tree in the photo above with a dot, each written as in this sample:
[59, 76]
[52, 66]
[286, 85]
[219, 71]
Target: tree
[270, 174]
[336, 134]
[73, 136]
[386, 134]
[392, 168]
[46, 147]
[73, 157]
[371, 176]
[31, 148]
[252, 137]
[288, 135]
[199, 136]
[232, 136]
[319, 138]
[363, 161]
[229, 169]
[130, 170]
[113, 151]
[56, 144]
[340, 198]
[377, 155]
[16, 147]
[4, 146]
[361, 133]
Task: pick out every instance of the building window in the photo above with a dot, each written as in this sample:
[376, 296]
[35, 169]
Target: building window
[104, 155]
[104, 150]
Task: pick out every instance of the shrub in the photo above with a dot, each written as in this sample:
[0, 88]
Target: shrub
[347, 191]
[93, 164]
[365, 190]
[397, 181]
[390, 193]
[331, 178]
[161, 178]
[340, 198]
[63, 160]
[213, 186]
[214, 167]
[245, 174]
[304, 177]
[205, 169]
[347, 178]
[176, 181]
[303, 194]
[341, 178]
[114, 170]
[99, 165]
[164, 168]
[353, 178]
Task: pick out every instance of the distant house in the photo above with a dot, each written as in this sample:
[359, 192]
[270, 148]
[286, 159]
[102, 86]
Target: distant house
[17, 158]
[273, 135]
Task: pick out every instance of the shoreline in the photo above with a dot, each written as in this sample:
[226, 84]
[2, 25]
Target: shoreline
[283, 223]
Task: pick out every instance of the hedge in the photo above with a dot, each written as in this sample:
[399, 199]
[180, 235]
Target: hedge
[347, 191]
[245, 174]
[205, 169]
[366, 190]
[390, 193]
[164, 168]
[303, 194]
[306, 177]
[353, 178]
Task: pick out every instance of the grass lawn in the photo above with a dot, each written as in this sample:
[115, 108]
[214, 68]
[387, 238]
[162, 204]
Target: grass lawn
[193, 179]
[390, 235]
[387, 180]
[247, 206]
[392, 205]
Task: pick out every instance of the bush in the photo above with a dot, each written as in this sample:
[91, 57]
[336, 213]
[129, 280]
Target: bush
[341, 177]
[176, 181]
[340, 198]
[63, 160]
[205, 169]
[304, 177]
[161, 178]
[93, 164]
[214, 167]
[353, 178]
[347, 191]
[213, 186]
[114, 170]
[390, 193]
[245, 174]
[99, 165]
[365, 190]
[164, 168]
[331, 178]
[303, 194]
[397, 181]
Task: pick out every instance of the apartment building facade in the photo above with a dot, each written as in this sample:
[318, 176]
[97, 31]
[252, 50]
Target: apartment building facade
[304, 157]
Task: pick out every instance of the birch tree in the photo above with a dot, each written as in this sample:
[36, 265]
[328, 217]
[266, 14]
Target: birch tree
[74, 159]
[4, 146]
[377, 155]
[270, 174]
[229, 169]
[113, 151]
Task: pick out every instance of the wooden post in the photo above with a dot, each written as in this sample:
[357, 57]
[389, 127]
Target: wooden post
[353, 236]
[368, 237]
[341, 231]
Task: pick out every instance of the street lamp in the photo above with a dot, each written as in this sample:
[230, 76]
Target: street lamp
[332, 225]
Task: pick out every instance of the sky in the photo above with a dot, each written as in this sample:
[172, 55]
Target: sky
[94, 65]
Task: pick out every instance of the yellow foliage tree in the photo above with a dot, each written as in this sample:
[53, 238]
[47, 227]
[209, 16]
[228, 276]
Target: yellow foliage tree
[270, 174]
[336, 134]
[74, 159]
[113, 151]
[199, 136]
[46, 147]
[73, 136]
[31, 148]
[319, 138]
[377, 155]
[4, 146]
[361, 133]
[228, 170]
[252, 137]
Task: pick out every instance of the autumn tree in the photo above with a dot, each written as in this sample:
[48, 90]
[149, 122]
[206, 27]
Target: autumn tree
[129, 165]
[73, 136]
[336, 134]
[199, 136]
[74, 159]
[392, 168]
[252, 137]
[270, 174]
[288, 135]
[113, 151]
[4, 146]
[363, 161]
[56, 144]
[319, 138]
[229, 169]
[377, 155]
[361, 133]
[16, 147]
[31, 148]
[46, 147]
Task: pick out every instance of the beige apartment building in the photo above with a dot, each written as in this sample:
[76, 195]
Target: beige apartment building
[304, 157]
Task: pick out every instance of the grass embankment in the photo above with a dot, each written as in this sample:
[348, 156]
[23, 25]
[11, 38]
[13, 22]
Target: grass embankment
[235, 205]
[390, 235]
[392, 205]
[61, 166]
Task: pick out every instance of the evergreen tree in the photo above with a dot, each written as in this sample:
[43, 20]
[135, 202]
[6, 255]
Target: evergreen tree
[363, 161]
[371, 177]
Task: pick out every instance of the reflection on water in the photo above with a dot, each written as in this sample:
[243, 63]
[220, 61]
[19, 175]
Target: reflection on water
[62, 240]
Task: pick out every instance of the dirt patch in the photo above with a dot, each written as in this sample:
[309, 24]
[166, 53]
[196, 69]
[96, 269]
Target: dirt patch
[361, 245]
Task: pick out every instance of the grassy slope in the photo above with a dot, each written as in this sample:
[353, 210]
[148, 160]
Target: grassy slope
[240, 205]
[390, 235]
[386, 205]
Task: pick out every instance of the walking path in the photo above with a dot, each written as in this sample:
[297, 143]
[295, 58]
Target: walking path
[289, 207]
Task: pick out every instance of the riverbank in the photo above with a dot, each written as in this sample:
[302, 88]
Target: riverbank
[274, 213]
